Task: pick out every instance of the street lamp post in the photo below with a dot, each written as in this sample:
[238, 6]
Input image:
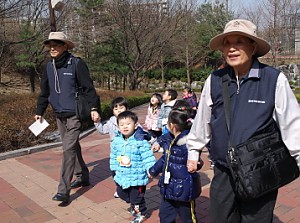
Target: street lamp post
[52, 17]
[54, 5]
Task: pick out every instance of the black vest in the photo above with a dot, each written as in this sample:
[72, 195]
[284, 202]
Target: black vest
[252, 107]
[63, 102]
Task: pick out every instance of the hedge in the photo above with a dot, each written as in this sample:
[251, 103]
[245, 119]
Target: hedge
[17, 114]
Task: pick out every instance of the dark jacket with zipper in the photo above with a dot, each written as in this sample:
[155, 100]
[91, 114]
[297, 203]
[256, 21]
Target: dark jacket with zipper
[182, 185]
[63, 102]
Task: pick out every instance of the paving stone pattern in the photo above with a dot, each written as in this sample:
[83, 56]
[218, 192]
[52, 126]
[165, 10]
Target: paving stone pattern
[28, 182]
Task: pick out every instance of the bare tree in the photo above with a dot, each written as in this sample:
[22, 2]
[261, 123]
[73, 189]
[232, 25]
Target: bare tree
[185, 45]
[8, 11]
[25, 24]
[277, 22]
[142, 31]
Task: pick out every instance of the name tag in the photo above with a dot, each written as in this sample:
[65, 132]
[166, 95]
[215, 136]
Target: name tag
[167, 177]
[68, 74]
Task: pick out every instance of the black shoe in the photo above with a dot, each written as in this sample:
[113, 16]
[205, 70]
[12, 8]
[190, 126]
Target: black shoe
[77, 183]
[61, 197]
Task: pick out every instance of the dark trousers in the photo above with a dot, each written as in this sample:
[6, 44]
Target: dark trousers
[135, 196]
[225, 207]
[72, 161]
[169, 210]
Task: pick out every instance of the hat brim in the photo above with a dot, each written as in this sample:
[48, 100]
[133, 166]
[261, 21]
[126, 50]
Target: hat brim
[70, 45]
[263, 47]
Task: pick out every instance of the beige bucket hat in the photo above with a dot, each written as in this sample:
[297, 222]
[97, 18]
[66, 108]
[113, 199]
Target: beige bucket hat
[59, 36]
[244, 28]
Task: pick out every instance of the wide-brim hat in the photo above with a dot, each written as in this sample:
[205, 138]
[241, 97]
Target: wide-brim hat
[244, 28]
[61, 37]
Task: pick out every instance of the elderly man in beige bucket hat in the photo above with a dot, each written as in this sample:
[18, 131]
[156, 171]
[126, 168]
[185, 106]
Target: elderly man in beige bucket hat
[61, 77]
[259, 97]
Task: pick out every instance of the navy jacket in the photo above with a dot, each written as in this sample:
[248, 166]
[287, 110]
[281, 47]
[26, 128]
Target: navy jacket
[181, 186]
[63, 103]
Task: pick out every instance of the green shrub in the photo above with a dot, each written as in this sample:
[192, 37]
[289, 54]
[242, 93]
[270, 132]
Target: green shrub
[298, 97]
[16, 114]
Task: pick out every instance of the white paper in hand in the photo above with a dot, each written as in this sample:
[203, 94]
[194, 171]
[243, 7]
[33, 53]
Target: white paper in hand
[37, 127]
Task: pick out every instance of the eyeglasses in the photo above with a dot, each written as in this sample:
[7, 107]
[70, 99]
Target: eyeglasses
[55, 45]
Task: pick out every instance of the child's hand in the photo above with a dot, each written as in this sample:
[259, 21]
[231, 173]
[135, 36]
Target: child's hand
[149, 175]
[155, 147]
[145, 126]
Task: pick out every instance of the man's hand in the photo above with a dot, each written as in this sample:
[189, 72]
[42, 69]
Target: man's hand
[38, 117]
[192, 165]
[95, 116]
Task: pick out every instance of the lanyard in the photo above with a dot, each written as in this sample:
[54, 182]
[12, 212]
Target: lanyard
[168, 155]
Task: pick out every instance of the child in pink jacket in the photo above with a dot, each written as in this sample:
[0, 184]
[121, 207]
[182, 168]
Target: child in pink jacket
[153, 114]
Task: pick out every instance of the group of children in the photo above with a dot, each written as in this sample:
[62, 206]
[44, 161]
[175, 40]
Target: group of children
[132, 161]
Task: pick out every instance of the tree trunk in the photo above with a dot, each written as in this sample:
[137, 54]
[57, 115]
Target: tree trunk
[187, 65]
[124, 82]
[0, 75]
[162, 72]
[133, 84]
[32, 78]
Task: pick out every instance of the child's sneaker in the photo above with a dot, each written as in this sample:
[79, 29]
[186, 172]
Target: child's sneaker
[116, 195]
[139, 218]
[212, 165]
[131, 211]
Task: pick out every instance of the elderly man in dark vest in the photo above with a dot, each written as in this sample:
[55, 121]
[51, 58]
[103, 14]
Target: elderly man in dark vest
[58, 87]
[258, 95]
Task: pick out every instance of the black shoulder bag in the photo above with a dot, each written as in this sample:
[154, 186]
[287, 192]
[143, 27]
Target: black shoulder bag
[82, 107]
[262, 163]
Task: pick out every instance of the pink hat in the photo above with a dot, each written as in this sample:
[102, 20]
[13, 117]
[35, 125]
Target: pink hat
[243, 28]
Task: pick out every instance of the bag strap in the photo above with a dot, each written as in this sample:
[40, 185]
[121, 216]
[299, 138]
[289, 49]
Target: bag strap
[74, 71]
[226, 99]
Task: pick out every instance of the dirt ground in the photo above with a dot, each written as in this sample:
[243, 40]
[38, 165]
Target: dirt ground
[15, 84]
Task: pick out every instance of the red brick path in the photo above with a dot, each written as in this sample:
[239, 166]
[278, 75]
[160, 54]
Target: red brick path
[27, 184]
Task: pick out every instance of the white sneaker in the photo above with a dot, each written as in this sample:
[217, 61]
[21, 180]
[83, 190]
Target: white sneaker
[116, 195]
[139, 218]
[131, 211]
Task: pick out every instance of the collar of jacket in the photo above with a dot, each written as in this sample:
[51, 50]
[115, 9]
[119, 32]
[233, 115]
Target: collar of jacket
[139, 134]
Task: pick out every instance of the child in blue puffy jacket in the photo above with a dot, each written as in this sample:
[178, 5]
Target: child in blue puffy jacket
[131, 158]
[178, 187]
[118, 105]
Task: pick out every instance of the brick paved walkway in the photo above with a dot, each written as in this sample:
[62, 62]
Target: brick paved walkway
[27, 184]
